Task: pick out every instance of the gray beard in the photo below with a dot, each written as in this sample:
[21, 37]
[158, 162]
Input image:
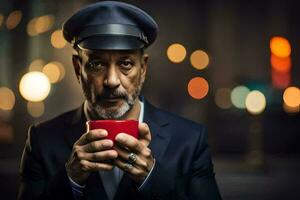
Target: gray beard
[101, 112]
[106, 113]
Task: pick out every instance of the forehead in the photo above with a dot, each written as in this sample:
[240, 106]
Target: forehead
[107, 54]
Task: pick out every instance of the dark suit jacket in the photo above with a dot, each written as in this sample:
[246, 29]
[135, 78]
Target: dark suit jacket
[183, 168]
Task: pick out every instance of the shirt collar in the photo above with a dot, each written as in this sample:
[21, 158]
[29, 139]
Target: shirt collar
[141, 115]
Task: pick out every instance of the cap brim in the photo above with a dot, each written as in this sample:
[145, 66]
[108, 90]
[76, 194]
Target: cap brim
[111, 43]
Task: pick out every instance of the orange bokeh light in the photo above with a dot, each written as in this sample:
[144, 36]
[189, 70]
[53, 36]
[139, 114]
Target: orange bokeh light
[280, 47]
[199, 59]
[289, 109]
[291, 97]
[13, 19]
[281, 64]
[198, 88]
[281, 80]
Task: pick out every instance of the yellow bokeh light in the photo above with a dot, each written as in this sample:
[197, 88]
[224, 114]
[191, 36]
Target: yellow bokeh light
[291, 97]
[222, 98]
[238, 96]
[36, 65]
[44, 23]
[55, 71]
[176, 53]
[36, 109]
[40, 25]
[198, 87]
[62, 71]
[199, 59]
[1, 19]
[13, 19]
[280, 47]
[57, 39]
[255, 102]
[7, 99]
[34, 86]
[31, 30]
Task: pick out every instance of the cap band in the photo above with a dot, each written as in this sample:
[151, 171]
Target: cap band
[110, 29]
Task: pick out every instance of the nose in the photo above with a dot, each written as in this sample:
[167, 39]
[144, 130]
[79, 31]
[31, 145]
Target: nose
[111, 79]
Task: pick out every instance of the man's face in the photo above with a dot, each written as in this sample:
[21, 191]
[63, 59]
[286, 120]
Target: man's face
[111, 80]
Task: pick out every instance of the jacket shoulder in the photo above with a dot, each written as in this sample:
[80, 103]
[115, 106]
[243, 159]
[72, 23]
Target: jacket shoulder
[182, 121]
[174, 119]
[57, 121]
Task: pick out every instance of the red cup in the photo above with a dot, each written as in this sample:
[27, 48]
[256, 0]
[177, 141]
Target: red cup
[114, 127]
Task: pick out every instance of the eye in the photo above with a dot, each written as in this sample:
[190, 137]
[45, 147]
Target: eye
[126, 64]
[95, 65]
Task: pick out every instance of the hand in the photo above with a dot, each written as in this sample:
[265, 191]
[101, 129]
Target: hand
[126, 144]
[91, 152]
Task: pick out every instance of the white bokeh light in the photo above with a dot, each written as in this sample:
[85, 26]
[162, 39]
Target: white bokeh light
[255, 102]
[34, 86]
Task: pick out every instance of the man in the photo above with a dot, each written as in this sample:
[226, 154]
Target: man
[62, 160]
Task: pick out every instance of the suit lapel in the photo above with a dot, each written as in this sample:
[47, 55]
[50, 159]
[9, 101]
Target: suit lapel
[157, 123]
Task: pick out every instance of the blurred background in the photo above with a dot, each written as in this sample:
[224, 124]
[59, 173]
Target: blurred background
[231, 65]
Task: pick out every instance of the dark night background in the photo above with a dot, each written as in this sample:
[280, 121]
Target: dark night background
[255, 156]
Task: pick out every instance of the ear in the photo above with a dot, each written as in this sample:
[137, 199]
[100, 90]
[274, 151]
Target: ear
[144, 66]
[77, 66]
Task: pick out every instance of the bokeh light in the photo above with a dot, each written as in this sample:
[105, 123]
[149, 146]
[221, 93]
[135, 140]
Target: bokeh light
[44, 23]
[280, 80]
[34, 86]
[31, 30]
[13, 19]
[255, 102]
[198, 87]
[199, 59]
[7, 99]
[238, 96]
[54, 71]
[281, 64]
[6, 130]
[280, 46]
[291, 97]
[36, 65]
[36, 109]
[57, 39]
[1, 19]
[289, 109]
[176, 53]
[222, 98]
[40, 25]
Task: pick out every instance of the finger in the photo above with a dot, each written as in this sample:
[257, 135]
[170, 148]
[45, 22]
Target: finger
[130, 142]
[132, 170]
[100, 145]
[89, 166]
[91, 136]
[106, 155]
[123, 154]
[144, 133]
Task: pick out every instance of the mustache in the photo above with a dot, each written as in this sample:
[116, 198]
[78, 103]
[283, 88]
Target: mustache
[111, 93]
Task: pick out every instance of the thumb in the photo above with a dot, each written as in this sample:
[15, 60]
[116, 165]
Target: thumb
[145, 134]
